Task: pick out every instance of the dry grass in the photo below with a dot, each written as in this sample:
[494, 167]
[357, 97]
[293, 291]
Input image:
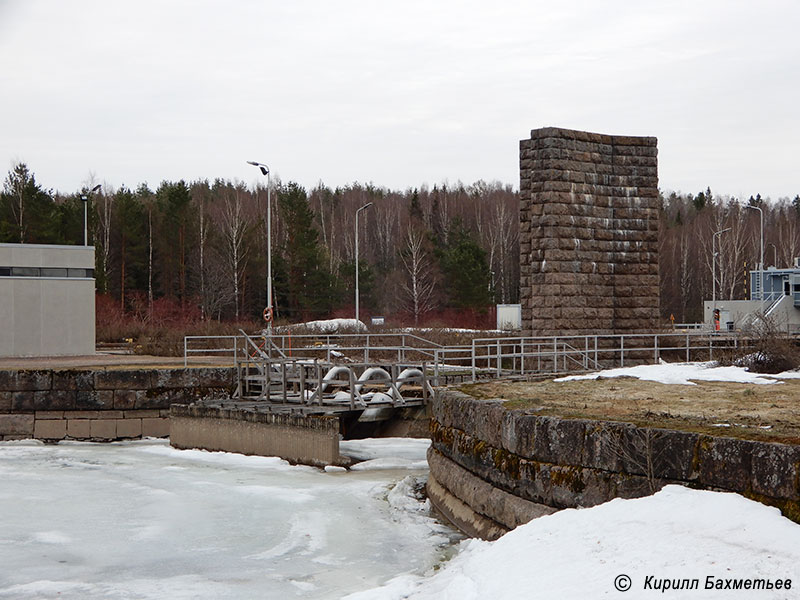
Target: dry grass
[766, 412]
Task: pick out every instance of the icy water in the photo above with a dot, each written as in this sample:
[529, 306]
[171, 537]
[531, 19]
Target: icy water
[143, 520]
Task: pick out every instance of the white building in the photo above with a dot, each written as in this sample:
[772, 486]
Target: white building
[47, 300]
[774, 293]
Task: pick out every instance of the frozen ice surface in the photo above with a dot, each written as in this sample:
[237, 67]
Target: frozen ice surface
[143, 520]
[577, 554]
[387, 453]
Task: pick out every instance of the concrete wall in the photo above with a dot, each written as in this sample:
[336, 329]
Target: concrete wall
[100, 404]
[588, 233]
[47, 315]
[312, 440]
[570, 463]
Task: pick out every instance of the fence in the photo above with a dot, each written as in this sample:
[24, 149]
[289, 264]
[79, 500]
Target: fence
[482, 358]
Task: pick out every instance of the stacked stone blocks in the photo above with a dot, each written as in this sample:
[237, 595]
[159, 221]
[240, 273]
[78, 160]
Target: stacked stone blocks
[571, 462]
[101, 404]
[588, 233]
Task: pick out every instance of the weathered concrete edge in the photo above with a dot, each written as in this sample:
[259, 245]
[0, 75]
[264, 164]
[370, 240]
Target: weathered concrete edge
[506, 510]
[305, 440]
[460, 514]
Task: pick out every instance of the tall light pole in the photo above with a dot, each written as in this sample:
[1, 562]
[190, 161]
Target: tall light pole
[85, 198]
[367, 205]
[774, 255]
[714, 264]
[761, 264]
[268, 311]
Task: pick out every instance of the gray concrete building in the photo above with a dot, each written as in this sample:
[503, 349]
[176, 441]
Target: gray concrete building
[47, 304]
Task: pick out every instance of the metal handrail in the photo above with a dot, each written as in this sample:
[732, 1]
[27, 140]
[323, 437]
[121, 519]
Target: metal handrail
[187, 351]
[500, 356]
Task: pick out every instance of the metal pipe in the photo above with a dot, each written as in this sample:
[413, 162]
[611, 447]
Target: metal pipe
[760, 264]
[265, 171]
[713, 266]
[367, 205]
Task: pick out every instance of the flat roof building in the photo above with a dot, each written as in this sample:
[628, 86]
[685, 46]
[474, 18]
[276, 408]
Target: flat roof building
[47, 300]
[774, 294]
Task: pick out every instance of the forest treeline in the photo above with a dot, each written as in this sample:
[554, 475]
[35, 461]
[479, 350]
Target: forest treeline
[199, 248]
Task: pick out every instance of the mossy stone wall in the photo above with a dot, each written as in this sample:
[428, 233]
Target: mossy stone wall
[569, 463]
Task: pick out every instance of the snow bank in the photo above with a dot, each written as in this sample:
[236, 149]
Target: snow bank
[330, 325]
[575, 554]
[684, 374]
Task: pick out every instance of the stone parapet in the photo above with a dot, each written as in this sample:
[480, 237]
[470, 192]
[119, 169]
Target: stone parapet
[569, 463]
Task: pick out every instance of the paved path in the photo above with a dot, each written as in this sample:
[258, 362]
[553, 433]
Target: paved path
[109, 360]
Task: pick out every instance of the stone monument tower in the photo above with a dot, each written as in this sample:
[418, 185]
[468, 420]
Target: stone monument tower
[588, 233]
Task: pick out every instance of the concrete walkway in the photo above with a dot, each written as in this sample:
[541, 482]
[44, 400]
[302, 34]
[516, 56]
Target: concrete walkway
[110, 360]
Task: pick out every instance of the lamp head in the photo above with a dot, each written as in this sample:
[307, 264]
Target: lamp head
[264, 168]
[97, 187]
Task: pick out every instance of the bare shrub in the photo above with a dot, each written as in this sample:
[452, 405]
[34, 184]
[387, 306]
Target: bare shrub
[770, 350]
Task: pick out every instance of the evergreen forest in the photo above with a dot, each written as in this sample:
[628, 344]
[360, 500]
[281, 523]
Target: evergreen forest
[442, 254]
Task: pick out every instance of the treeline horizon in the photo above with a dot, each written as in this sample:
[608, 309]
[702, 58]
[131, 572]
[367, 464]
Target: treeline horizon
[447, 252]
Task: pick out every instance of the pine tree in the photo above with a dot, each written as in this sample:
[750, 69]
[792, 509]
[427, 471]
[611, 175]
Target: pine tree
[26, 209]
[130, 231]
[467, 275]
[174, 203]
[309, 285]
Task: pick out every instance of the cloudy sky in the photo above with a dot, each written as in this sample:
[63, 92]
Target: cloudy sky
[397, 93]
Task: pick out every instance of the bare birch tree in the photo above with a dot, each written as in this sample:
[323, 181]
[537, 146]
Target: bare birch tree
[233, 225]
[419, 285]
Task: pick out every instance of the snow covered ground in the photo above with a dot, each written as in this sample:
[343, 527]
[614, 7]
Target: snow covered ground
[686, 373]
[678, 535]
[143, 520]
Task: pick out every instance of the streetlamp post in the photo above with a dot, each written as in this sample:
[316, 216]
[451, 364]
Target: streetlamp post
[85, 198]
[367, 205]
[268, 311]
[714, 264]
[760, 264]
[774, 255]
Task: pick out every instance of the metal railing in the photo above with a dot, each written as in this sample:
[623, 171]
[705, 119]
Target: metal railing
[551, 355]
[484, 357]
[311, 384]
[209, 346]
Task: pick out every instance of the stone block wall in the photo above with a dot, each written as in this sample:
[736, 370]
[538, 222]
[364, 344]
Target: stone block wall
[588, 233]
[100, 404]
[548, 461]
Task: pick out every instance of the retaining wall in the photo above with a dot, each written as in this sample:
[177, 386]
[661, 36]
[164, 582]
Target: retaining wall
[312, 440]
[568, 463]
[100, 404]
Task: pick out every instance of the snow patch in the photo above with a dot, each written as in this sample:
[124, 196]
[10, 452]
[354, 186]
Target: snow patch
[680, 374]
[328, 325]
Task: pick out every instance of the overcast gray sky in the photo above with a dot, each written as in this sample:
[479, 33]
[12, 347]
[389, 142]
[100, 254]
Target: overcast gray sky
[397, 93]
